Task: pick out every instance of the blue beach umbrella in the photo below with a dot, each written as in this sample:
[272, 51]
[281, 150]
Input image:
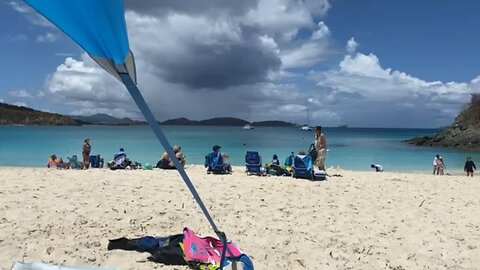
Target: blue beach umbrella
[99, 27]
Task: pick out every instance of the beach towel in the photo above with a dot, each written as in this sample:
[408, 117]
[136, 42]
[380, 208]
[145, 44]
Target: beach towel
[164, 250]
[43, 266]
[186, 249]
[206, 252]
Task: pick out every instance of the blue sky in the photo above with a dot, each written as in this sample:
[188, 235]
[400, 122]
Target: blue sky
[431, 39]
[362, 63]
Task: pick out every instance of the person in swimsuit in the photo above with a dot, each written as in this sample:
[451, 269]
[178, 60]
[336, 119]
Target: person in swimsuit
[321, 148]
[86, 149]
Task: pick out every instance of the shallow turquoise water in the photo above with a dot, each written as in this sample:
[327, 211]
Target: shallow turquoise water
[352, 148]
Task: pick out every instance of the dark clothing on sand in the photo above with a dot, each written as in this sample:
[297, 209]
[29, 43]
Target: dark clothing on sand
[469, 166]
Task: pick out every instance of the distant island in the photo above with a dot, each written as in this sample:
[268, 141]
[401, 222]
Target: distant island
[464, 133]
[20, 115]
[225, 121]
[105, 119]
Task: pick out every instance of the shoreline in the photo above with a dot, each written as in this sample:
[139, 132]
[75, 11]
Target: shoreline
[362, 220]
[237, 169]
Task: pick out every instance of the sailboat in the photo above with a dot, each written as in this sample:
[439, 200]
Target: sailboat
[307, 127]
[248, 126]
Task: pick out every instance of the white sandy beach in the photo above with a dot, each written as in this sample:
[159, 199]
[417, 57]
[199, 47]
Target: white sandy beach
[363, 220]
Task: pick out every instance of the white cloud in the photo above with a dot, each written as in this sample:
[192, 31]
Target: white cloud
[47, 37]
[251, 59]
[352, 45]
[310, 52]
[322, 31]
[365, 92]
[283, 18]
[19, 7]
[305, 56]
[85, 86]
[31, 15]
[18, 37]
[21, 93]
[20, 104]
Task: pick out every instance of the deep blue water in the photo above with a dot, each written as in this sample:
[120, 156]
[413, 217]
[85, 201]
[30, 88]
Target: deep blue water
[351, 148]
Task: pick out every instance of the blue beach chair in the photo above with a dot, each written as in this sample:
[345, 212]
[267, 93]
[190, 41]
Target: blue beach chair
[253, 162]
[95, 161]
[303, 167]
[214, 163]
[74, 163]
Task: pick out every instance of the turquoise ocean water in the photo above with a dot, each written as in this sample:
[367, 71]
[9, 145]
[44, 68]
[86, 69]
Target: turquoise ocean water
[351, 148]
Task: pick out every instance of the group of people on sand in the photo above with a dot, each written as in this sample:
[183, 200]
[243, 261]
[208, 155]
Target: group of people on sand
[55, 162]
[166, 162]
[439, 166]
[120, 160]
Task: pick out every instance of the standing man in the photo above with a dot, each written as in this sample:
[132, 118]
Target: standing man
[469, 166]
[321, 148]
[86, 149]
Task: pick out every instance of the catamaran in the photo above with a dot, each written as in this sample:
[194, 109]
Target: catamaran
[306, 127]
[248, 125]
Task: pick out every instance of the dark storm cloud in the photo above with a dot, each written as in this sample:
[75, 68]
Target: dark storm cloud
[220, 66]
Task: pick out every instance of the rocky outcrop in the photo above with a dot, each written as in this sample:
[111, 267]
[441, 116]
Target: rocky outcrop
[19, 115]
[464, 133]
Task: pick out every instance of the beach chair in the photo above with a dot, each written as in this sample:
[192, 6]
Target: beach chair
[74, 163]
[95, 161]
[303, 167]
[214, 163]
[253, 162]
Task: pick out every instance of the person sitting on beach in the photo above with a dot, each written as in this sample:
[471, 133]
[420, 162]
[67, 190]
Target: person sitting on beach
[275, 160]
[226, 164]
[377, 167]
[216, 161]
[166, 162]
[469, 166]
[289, 160]
[74, 163]
[119, 161]
[57, 163]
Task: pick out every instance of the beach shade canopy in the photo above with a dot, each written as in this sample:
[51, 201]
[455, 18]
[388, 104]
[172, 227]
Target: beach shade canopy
[99, 27]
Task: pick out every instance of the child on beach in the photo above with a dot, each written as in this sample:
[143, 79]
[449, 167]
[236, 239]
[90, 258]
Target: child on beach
[377, 167]
[469, 166]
